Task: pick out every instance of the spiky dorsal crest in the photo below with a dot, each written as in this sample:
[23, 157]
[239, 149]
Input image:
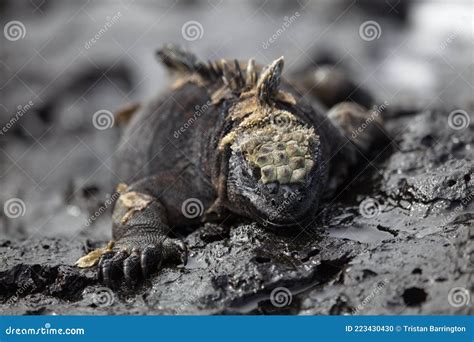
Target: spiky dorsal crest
[178, 60]
[251, 74]
[184, 62]
[256, 88]
[269, 81]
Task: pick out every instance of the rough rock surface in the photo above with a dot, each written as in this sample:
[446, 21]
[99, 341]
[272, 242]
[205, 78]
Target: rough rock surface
[396, 239]
[402, 257]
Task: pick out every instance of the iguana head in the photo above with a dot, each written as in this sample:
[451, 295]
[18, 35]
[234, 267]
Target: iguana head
[274, 155]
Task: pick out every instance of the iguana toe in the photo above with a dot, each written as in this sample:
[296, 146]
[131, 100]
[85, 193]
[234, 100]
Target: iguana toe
[130, 264]
[131, 267]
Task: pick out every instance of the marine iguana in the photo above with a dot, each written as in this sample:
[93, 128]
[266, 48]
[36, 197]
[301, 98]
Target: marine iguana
[229, 137]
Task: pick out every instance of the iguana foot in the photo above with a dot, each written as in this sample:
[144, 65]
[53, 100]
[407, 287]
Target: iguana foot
[135, 257]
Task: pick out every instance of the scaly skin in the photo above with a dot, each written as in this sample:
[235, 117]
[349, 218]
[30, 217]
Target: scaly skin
[232, 137]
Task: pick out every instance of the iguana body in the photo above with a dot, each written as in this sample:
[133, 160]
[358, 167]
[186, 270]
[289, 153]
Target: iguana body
[228, 138]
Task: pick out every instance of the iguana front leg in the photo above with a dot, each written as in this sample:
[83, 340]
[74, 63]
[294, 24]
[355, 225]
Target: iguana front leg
[141, 242]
